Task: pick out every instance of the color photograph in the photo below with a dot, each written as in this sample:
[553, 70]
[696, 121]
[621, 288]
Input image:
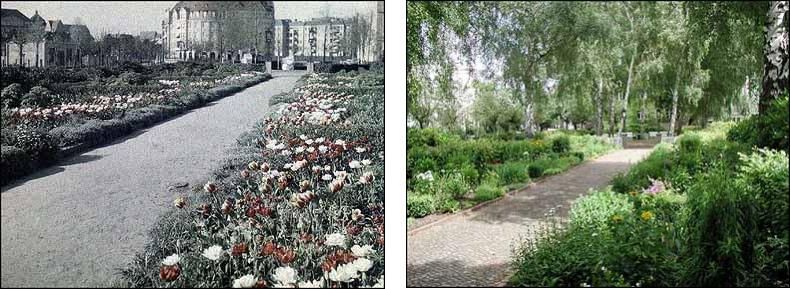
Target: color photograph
[597, 144]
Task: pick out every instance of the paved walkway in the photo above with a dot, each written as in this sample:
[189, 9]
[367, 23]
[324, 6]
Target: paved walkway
[74, 224]
[473, 249]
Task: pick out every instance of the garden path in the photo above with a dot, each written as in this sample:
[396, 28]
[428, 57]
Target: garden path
[473, 248]
[76, 223]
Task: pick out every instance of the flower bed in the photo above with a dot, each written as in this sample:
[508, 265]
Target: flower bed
[298, 203]
[84, 115]
[705, 212]
[446, 173]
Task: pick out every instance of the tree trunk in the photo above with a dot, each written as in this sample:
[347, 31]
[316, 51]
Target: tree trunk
[611, 115]
[599, 108]
[529, 119]
[674, 114]
[627, 92]
[37, 54]
[643, 112]
[775, 56]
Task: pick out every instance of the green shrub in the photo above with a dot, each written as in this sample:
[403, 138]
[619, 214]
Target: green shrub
[631, 253]
[657, 165]
[535, 171]
[488, 191]
[419, 205]
[561, 144]
[596, 209]
[512, 173]
[769, 130]
[470, 173]
[453, 185]
[738, 225]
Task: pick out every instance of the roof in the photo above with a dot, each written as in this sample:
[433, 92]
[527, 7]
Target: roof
[79, 32]
[222, 5]
[13, 13]
[37, 18]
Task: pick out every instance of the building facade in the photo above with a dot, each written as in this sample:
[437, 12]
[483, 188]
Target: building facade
[318, 39]
[282, 37]
[35, 42]
[219, 30]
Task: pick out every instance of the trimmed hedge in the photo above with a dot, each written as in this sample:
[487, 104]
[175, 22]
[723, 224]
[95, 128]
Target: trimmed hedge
[97, 132]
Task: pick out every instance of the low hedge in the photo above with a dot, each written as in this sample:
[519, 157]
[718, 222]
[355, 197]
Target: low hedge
[97, 132]
[14, 162]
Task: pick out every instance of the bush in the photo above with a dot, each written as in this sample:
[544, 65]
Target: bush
[131, 78]
[40, 146]
[488, 191]
[38, 96]
[512, 173]
[770, 130]
[594, 210]
[630, 254]
[739, 230]
[14, 162]
[453, 185]
[535, 171]
[419, 205]
[561, 144]
[656, 166]
[12, 95]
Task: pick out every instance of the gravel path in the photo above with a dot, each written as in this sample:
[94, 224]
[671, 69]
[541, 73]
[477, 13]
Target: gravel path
[473, 248]
[75, 223]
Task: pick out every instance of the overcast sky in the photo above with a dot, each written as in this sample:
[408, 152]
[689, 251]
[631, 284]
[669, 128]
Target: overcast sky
[132, 17]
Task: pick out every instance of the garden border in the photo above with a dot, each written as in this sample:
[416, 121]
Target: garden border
[157, 114]
[467, 211]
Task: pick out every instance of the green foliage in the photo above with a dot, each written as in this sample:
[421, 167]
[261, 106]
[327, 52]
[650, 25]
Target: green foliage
[770, 130]
[739, 230]
[608, 242]
[488, 191]
[512, 172]
[594, 210]
[419, 205]
[453, 185]
[655, 166]
[561, 144]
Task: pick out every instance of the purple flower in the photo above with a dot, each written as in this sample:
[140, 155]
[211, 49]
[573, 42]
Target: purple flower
[656, 187]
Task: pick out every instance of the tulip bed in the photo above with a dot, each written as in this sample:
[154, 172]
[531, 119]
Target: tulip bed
[299, 202]
[53, 119]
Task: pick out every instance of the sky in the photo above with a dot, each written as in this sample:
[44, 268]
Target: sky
[132, 17]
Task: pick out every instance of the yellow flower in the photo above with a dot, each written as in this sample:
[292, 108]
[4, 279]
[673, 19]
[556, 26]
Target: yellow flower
[633, 193]
[617, 218]
[647, 215]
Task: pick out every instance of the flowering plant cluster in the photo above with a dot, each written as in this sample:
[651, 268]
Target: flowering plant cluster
[304, 210]
[101, 106]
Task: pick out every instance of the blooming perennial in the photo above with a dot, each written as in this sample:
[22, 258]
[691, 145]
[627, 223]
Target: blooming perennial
[213, 253]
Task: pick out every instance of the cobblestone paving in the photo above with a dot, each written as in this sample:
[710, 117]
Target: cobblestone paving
[473, 249]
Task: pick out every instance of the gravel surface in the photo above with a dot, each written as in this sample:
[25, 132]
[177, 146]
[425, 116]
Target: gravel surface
[76, 223]
[473, 249]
